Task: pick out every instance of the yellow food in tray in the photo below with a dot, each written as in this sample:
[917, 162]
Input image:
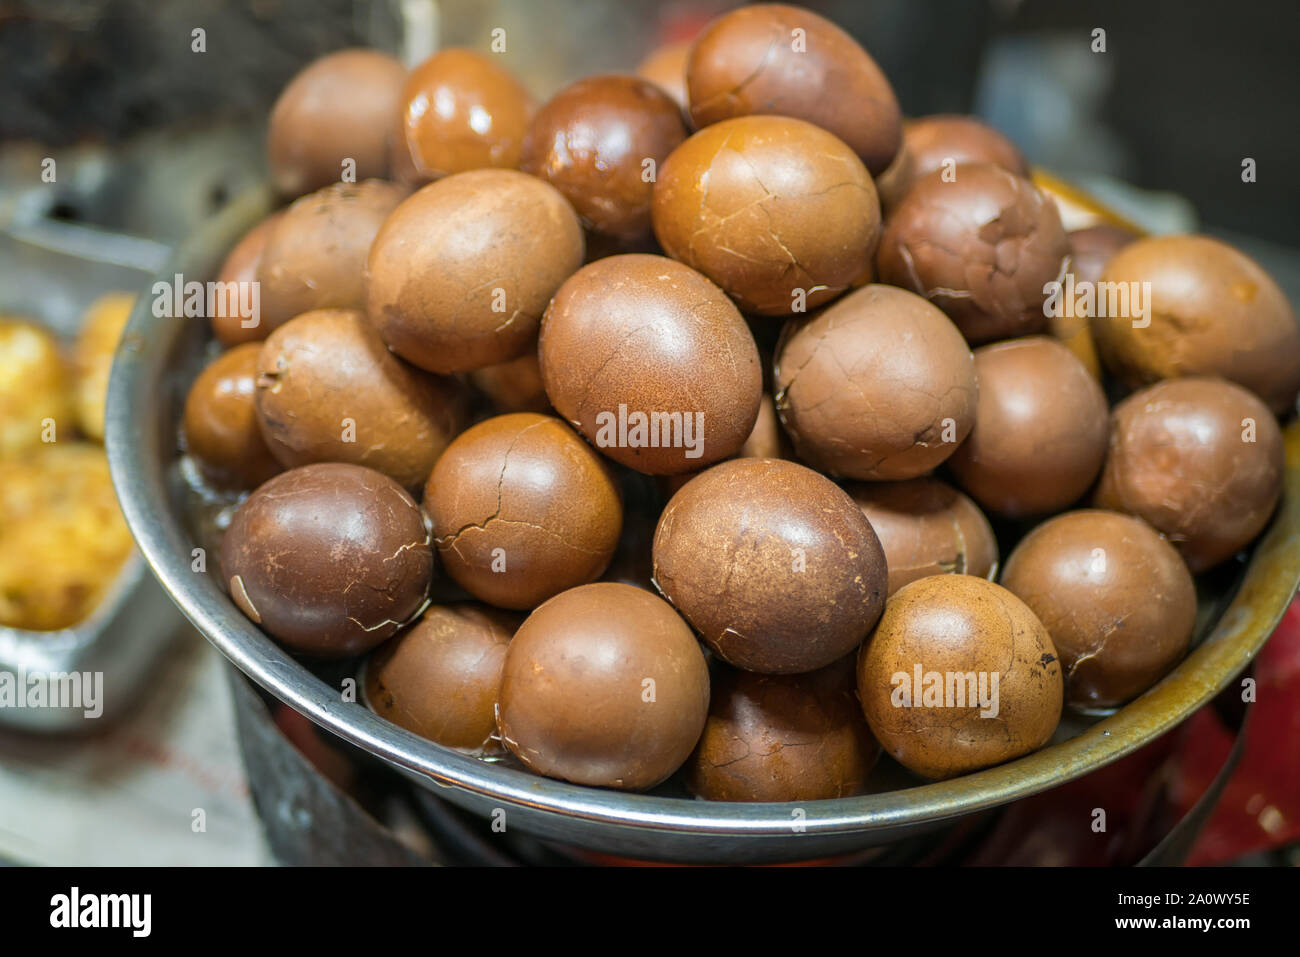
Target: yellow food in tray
[63, 540]
[34, 393]
[62, 536]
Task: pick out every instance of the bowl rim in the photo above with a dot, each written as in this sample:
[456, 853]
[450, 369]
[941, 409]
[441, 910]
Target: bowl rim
[139, 457]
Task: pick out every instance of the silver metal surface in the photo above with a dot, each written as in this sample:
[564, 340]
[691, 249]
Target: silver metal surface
[158, 360]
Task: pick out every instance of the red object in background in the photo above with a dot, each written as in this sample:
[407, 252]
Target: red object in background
[1260, 807]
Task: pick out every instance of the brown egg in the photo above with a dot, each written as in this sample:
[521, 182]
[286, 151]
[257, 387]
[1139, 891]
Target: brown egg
[329, 391]
[459, 110]
[231, 323]
[772, 563]
[329, 559]
[785, 60]
[1200, 460]
[892, 185]
[221, 426]
[600, 142]
[959, 675]
[514, 385]
[1117, 600]
[1213, 311]
[334, 119]
[880, 385]
[926, 527]
[982, 247]
[1093, 246]
[439, 678]
[1040, 431]
[522, 509]
[503, 243]
[604, 685]
[315, 257]
[777, 212]
[665, 67]
[652, 363]
[949, 139]
[783, 737]
[766, 440]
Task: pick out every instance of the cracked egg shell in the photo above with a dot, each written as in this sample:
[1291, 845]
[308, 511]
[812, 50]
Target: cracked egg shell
[1116, 598]
[522, 509]
[240, 267]
[769, 208]
[1200, 460]
[771, 58]
[650, 335]
[879, 385]
[329, 559]
[222, 432]
[1213, 312]
[459, 110]
[981, 248]
[315, 256]
[328, 390]
[772, 563]
[954, 625]
[1041, 425]
[503, 243]
[591, 141]
[440, 677]
[783, 737]
[604, 685]
[927, 527]
[338, 108]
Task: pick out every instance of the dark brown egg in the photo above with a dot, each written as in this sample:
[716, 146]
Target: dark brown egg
[652, 363]
[221, 427]
[315, 256]
[328, 390]
[1212, 311]
[665, 67]
[329, 559]
[440, 677]
[1117, 600]
[604, 685]
[459, 110]
[959, 675]
[945, 140]
[783, 737]
[926, 527]
[1041, 425]
[981, 244]
[772, 563]
[522, 509]
[777, 59]
[600, 142]
[1093, 246]
[333, 120]
[1200, 460]
[232, 322]
[503, 243]
[776, 211]
[879, 385]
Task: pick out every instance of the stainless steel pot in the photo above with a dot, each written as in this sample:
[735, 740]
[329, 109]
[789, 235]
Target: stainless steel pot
[158, 360]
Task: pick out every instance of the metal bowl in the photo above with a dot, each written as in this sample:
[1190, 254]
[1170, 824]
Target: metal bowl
[158, 360]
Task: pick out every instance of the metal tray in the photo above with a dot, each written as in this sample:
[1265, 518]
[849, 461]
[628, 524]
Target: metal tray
[160, 357]
[51, 271]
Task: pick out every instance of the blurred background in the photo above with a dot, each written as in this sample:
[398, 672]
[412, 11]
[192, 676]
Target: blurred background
[152, 137]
